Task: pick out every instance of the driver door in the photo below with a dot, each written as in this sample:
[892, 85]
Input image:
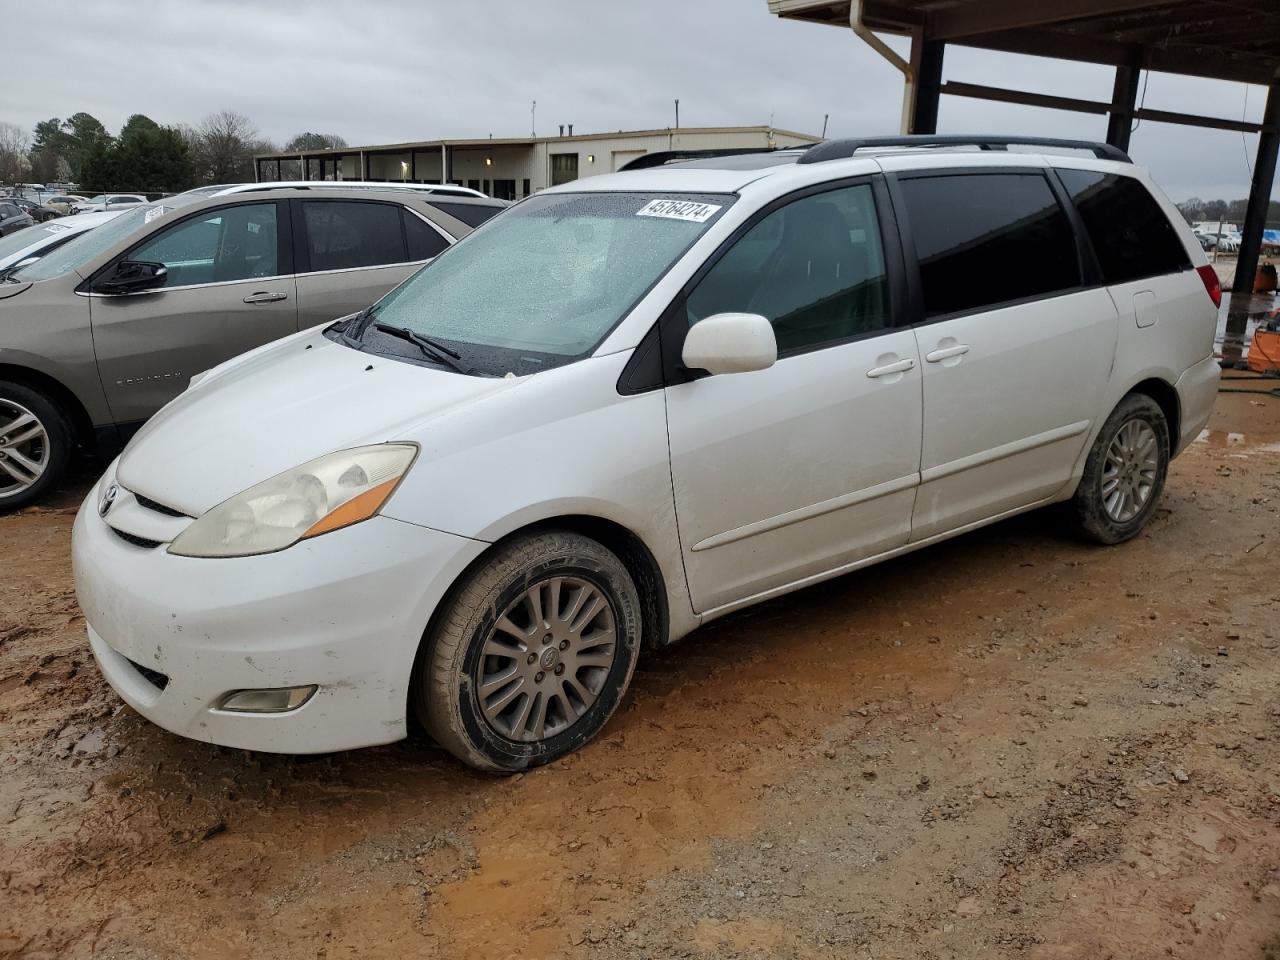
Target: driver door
[789, 473]
[229, 288]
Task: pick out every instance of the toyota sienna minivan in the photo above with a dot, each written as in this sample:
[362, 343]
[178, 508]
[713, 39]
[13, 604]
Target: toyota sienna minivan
[627, 406]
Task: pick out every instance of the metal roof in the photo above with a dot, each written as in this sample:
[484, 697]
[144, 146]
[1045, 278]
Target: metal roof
[1223, 39]
[481, 142]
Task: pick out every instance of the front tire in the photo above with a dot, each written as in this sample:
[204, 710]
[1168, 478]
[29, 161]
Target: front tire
[36, 444]
[531, 654]
[1125, 473]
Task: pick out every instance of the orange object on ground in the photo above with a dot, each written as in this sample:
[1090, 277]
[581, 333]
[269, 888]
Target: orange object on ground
[1264, 352]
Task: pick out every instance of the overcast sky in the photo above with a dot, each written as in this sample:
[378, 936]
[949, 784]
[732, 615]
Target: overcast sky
[394, 70]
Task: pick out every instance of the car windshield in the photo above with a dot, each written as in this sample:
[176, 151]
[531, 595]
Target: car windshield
[74, 254]
[100, 198]
[544, 282]
[30, 237]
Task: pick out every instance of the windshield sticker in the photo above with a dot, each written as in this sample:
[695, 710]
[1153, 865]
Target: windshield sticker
[679, 210]
[57, 227]
[155, 212]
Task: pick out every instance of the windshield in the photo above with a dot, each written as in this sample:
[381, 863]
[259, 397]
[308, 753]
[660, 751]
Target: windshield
[544, 282]
[100, 198]
[30, 237]
[75, 253]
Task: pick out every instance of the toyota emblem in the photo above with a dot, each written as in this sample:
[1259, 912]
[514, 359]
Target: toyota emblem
[108, 499]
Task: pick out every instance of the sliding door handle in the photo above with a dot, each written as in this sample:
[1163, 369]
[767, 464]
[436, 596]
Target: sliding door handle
[946, 353]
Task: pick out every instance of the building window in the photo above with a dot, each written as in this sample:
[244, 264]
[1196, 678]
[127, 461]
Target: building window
[473, 184]
[526, 187]
[564, 168]
[504, 189]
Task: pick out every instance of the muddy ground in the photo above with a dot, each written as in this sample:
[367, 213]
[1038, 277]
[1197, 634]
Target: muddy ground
[1010, 745]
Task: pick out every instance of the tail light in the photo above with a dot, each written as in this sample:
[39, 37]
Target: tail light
[1212, 285]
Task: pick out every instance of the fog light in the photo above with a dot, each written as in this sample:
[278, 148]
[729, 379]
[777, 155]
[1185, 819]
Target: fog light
[273, 700]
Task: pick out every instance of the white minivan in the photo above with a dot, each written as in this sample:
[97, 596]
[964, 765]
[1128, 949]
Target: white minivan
[629, 405]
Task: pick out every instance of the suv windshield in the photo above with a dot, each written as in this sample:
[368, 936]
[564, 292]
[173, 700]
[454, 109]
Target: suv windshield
[76, 253]
[544, 282]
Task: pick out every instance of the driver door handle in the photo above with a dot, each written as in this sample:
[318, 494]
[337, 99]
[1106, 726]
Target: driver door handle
[889, 369]
[265, 297]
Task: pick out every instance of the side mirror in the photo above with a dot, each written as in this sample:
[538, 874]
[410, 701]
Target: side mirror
[133, 276]
[730, 343]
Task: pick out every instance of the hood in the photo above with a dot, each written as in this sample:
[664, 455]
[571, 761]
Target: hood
[277, 408]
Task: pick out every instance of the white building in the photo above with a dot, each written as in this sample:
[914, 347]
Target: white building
[511, 168]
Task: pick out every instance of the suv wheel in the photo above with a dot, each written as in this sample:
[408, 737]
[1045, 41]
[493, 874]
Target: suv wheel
[531, 654]
[1125, 472]
[35, 445]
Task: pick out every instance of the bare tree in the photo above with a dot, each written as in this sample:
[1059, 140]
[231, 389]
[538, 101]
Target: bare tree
[14, 144]
[224, 145]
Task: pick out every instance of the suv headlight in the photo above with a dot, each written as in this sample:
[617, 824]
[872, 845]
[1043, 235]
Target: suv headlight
[329, 493]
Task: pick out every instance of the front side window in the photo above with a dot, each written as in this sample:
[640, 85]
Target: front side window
[545, 282]
[987, 239]
[345, 234]
[234, 243]
[814, 268]
[1130, 233]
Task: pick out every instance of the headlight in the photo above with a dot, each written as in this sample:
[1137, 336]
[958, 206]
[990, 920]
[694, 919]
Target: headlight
[326, 494]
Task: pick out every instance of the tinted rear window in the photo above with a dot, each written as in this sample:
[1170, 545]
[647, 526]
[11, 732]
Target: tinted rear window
[1130, 233]
[425, 241]
[343, 234]
[986, 239]
[472, 214]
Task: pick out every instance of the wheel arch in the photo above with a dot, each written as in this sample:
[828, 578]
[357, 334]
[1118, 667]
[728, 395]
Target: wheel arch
[59, 393]
[1166, 397]
[628, 546]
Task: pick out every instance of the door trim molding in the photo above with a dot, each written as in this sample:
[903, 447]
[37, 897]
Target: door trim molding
[715, 612]
[1004, 451]
[807, 513]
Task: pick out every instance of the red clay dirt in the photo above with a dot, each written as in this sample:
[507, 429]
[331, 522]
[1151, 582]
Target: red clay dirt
[1009, 745]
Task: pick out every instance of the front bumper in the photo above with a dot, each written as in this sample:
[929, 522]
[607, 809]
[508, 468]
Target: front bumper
[345, 611]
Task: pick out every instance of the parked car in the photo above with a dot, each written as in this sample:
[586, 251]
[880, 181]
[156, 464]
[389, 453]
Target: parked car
[25, 247]
[107, 201]
[13, 217]
[38, 212]
[630, 405]
[63, 202]
[98, 335]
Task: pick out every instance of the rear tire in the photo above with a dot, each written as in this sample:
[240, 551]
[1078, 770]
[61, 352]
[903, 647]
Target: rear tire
[1125, 472]
[36, 444]
[531, 653]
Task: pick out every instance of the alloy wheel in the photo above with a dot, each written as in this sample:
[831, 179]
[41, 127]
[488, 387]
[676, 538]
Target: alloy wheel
[1129, 470]
[24, 448]
[546, 660]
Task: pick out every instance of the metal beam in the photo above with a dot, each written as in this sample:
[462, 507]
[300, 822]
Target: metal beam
[1124, 99]
[1264, 177]
[977, 91]
[990, 16]
[926, 63]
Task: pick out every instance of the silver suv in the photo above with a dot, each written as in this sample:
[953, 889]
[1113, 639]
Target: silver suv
[101, 333]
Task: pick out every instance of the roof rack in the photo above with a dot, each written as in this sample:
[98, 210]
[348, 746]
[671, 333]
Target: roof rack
[442, 188]
[663, 157]
[843, 149]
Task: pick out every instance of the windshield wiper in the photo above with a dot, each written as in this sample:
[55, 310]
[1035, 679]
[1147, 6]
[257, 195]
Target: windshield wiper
[431, 348]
